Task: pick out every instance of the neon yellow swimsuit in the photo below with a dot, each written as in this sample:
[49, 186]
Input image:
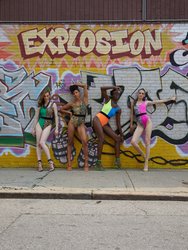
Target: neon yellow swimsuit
[107, 112]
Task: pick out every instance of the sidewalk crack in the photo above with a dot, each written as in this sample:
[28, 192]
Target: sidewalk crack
[130, 180]
[11, 224]
[39, 179]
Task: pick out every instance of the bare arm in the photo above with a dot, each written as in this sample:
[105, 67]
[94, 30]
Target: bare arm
[64, 109]
[104, 91]
[131, 116]
[84, 86]
[172, 99]
[56, 118]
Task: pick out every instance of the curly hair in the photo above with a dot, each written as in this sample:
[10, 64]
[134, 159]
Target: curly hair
[72, 88]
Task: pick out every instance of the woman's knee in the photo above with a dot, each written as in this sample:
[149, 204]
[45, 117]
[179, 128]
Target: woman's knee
[117, 139]
[84, 143]
[42, 144]
[70, 141]
[133, 142]
[101, 139]
[147, 142]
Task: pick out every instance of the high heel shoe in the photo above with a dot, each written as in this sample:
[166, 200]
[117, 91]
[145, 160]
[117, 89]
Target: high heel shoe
[117, 163]
[40, 168]
[98, 166]
[51, 164]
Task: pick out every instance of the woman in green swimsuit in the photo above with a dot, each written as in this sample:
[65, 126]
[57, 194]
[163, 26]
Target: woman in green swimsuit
[77, 121]
[44, 118]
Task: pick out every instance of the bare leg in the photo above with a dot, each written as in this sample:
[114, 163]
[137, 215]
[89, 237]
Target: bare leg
[109, 131]
[137, 133]
[38, 148]
[71, 130]
[148, 131]
[38, 136]
[43, 139]
[83, 137]
[100, 135]
[44, 136]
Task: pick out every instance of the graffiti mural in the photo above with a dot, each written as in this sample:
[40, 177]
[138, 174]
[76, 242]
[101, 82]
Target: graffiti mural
[153, 57]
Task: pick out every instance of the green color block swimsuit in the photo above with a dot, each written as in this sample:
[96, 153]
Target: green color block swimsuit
[46, 116]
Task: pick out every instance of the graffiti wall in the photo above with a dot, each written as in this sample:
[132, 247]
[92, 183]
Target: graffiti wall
[154, 57]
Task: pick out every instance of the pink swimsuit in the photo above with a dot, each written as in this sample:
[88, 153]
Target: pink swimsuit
[141, 114]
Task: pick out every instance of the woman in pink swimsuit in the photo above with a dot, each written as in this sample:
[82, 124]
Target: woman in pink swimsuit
[144, 123]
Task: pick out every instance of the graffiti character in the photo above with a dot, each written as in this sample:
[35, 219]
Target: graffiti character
[138, 108]
[77, 114]
[101, 123]
[43, 123]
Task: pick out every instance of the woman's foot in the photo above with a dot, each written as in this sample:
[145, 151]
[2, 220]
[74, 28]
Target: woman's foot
[145, 166]
[40, 168]
[98, 166]
[86, 167]
[69, 167]
[51, 164]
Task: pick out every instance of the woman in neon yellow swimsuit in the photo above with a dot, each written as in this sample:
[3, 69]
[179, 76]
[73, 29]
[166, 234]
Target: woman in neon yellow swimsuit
[101, 125]
[77, 121]
[45, 115]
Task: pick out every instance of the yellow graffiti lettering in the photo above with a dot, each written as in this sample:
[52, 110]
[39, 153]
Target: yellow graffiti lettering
[61, 41]
[62, 38]
[137, 43]
[102, 44]
[87, 41]
[47, 41]
[71, 43]
[150, 42]
[118, 37]
[28, 41]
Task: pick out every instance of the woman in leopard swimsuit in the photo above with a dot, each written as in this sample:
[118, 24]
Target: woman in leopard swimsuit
[78, 109]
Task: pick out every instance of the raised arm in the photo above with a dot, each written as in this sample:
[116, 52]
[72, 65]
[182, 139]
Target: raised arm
[104, 91]
[172, 99]
[131, 116]
[56, 118]
[84, 86]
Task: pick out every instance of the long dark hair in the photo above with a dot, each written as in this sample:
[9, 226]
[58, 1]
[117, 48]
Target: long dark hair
[146, 97]
[72, 88]
[41, 99]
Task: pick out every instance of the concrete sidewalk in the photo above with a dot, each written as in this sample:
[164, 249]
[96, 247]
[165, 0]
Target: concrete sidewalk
[126, 184]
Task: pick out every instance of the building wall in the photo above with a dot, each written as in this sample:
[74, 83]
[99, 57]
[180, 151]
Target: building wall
[150, 56]
[92, 10]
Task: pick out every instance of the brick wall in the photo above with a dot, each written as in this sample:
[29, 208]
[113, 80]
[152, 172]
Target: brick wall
[134, 56]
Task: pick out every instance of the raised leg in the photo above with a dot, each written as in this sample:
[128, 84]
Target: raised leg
[137, 133]
[109, 131]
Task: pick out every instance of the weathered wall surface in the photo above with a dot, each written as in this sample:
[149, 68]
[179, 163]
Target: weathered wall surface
[153, 56]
